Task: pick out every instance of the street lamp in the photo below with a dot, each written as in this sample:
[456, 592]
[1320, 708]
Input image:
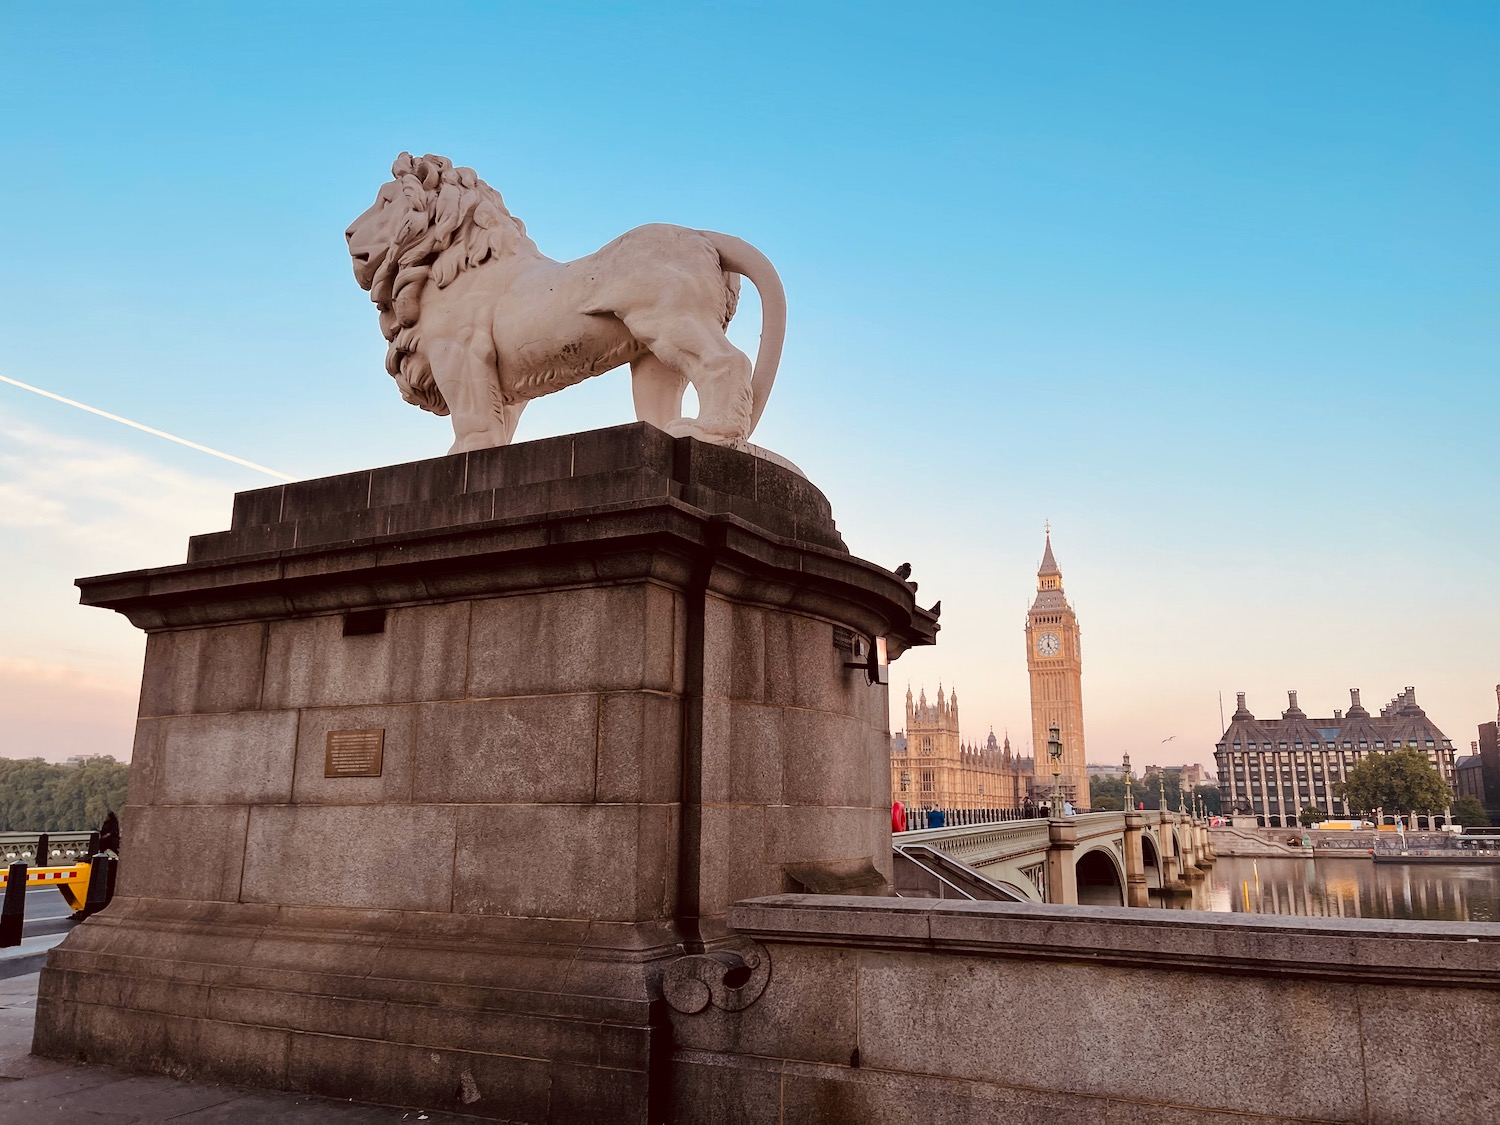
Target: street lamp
[1161, 793]
[1054, 751]
[1129, 800]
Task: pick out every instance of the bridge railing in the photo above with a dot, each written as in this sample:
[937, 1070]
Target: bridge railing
[62, 847]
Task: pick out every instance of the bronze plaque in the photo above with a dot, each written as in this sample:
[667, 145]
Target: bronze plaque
[354, 753]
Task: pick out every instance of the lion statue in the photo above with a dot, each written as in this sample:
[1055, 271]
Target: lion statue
[480, 322]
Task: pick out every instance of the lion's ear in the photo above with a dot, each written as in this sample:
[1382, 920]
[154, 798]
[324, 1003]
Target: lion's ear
[402, 166]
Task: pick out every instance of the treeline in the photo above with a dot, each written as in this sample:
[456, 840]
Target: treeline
[1107, 794]
[39, 796]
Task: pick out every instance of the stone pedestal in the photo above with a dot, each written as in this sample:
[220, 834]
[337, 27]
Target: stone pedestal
[1061, 872]
[1136, 891]
[608, 672]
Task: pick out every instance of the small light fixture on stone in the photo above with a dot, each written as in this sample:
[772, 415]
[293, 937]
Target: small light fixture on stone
[1129, 800]
[873, 658]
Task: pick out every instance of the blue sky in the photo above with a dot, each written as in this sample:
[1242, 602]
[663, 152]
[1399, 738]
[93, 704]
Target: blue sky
[1214, 289]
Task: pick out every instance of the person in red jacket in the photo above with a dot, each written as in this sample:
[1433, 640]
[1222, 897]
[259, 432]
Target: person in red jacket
[898, 817]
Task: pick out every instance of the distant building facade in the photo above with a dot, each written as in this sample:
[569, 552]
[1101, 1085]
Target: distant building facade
[1273, 768]
[1190, 777]
[931, 768]
[1054, 661]
[1483, 774]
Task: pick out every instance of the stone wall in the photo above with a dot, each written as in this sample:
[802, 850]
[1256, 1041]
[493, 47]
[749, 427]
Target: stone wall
[892, 1010]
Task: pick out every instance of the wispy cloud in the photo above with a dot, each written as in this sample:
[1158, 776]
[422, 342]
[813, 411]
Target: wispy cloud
[98, 496]
[69, 675]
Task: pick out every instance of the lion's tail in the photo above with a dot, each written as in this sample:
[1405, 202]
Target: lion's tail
[738, 256]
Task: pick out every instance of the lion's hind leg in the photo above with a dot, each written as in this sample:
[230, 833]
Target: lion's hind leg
[720, 372]
[657, 390]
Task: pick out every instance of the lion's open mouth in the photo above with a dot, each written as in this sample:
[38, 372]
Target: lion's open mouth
[366, 266]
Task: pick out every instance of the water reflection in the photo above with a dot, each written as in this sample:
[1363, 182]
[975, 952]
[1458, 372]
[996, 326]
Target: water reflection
[1350, 888]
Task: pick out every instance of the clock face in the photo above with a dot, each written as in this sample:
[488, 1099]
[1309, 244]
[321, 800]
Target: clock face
[1048, 644]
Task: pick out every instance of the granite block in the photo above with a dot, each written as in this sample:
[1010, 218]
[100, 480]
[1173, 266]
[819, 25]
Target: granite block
[390, 857]
[234, 758]
[437, 478]
[734, 858]
[713, 1089]
[631, 446]
[421, 655]
[439, 512]
[778, 1024]
[198, 850]
[257, 506]
[325, 496]
[507, 751]
[508, 1087]
[514, 465]
[614, 638]
[202, 670]
[393, 786]
[828, 759]
[607, 862]
[743, 753]
[640, 748]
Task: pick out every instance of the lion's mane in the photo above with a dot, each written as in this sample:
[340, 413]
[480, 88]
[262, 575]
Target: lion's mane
[454, 221]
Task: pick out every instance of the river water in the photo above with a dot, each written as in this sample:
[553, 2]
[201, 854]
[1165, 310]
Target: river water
[1350, 888]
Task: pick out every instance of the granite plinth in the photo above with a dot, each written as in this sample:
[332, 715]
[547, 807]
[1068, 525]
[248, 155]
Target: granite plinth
[611, 674]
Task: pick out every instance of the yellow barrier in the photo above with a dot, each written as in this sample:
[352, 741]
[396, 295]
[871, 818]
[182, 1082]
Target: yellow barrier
[72, 882]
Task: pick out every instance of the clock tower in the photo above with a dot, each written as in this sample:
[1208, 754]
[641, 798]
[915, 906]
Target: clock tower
[1054, 659]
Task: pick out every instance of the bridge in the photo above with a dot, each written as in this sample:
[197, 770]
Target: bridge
[1093, 859]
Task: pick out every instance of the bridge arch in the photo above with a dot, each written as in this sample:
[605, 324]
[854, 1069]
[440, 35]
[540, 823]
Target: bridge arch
[1100, 877]
[1151, 857]
[1178, 844]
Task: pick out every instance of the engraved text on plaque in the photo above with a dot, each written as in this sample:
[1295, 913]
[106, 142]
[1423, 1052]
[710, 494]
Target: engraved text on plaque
[354, 753]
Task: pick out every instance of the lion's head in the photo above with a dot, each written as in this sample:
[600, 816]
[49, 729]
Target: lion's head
[431, 221]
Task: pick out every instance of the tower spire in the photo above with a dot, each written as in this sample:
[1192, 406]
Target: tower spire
[1049, 564]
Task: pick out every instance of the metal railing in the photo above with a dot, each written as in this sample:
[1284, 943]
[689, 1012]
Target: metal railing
[21, 846]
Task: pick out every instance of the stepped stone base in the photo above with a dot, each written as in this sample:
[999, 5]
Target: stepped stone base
[610, 675]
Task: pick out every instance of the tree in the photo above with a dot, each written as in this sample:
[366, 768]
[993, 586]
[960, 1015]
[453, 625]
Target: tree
[1148, 789]
[1106, 794]
[1311, 815]
[37, 796]
[1400, 781]
[1471, 813]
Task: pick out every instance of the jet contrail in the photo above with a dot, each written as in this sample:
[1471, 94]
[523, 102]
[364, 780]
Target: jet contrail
[147, 429]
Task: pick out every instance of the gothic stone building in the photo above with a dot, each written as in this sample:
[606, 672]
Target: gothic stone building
[932, 769]
[1273, 768]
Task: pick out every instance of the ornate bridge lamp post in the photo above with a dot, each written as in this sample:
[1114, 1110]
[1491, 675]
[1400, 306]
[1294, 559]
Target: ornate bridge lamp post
[1054, 751]
[1161, 794]
[1129, 800]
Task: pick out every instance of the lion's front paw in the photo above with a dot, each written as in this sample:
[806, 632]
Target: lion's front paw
[691, 427]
